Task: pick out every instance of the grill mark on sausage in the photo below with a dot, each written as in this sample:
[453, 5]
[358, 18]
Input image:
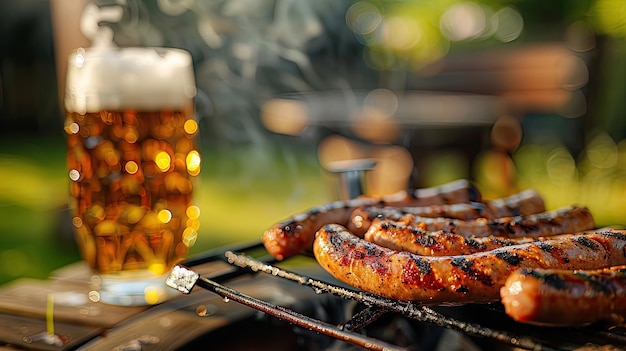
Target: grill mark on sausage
[425, 240]
[596, 283]
[587, 242]
[556, 252]
[617, 235]
[509, 257]
[503, 242]
[510, 227]
[418, 272]
[462, 289]
[367, 253]
[474, 244]
[480, 209]
[553, 280]
[468, 267]
[334, 240]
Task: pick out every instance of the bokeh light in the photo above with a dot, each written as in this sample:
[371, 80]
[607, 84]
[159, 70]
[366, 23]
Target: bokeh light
[194, 162]
[363, 18]
[74, 174]
[193, 212]
[131, 167]
[190, 126]
[190, 236]
[463, 21]
[508, 24]
[165, 216]
[284, 116]
[163, 160]
[411, 35]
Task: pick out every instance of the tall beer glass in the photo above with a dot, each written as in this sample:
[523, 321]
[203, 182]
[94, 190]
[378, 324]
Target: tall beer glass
[132, 160]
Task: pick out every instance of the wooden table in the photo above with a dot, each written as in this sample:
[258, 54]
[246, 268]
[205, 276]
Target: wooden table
[23, 309]
[90, 325]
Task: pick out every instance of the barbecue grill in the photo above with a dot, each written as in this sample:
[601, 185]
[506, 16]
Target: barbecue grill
[257, 302]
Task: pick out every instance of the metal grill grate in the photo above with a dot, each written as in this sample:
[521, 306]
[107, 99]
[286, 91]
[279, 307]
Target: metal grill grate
[509, 333]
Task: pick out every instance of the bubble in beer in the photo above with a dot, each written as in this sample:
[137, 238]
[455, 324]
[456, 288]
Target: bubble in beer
[165, 216]
[190, 126]
[193, 223]
[73, 128]
[189, 236]
[77, 222]
[163, 160]
[130, 136]
[193, 212]
[74, 175]
[193, 161]
[131, 167]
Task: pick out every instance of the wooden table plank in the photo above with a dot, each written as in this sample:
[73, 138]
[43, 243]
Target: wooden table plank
[16, 330]
[28, 297]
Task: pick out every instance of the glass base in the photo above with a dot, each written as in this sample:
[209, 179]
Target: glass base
[134, 289]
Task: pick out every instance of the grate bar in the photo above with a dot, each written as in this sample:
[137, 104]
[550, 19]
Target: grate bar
[184, 279]
[408, 309]
[364, 318]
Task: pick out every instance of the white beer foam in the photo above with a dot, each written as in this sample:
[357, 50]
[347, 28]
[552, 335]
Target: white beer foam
[139, 78]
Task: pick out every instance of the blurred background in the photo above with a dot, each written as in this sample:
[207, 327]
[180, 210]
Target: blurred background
[512, 94]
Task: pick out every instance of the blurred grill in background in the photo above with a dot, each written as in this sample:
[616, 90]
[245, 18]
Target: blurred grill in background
[510, 94]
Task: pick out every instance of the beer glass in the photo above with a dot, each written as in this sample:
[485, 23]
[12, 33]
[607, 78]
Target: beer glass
[132, 162]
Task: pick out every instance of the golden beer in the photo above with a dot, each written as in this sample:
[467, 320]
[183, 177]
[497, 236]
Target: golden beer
[132, 160]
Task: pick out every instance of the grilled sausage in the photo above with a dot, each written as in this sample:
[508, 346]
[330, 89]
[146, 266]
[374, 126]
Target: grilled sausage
[400, 237]
[565, 297]
[570, 219]
[296, 234]
[456, 279]
[484, 235]
[524, 203]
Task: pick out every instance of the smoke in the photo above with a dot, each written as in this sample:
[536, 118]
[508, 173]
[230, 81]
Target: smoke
[246, 52]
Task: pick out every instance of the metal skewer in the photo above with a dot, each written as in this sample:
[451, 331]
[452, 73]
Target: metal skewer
[184, 279]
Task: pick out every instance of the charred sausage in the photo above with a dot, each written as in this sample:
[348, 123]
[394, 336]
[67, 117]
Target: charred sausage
[524, 203]
[566, 297]
[570, 219]
[477, 235]
[296, 234]
[400, 237]
[456, 279]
